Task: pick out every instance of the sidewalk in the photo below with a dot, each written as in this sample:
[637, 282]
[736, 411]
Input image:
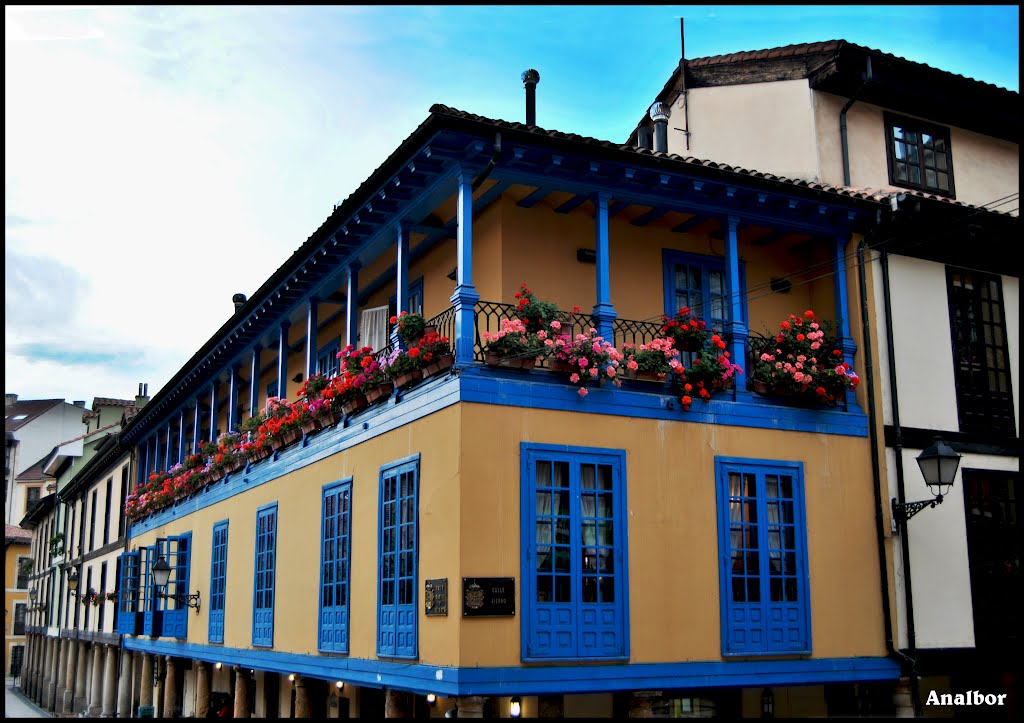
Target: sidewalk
[18, 706]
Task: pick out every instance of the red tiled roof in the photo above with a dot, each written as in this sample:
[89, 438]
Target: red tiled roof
[867, 194]
[35, 472]
[13, 533]
[109, 402]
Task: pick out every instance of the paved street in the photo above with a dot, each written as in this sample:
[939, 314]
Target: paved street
[18, 706]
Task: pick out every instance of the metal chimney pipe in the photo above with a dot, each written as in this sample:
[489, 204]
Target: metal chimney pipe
[239, 301]
[530, 79]
[659, 114]
[643, 137]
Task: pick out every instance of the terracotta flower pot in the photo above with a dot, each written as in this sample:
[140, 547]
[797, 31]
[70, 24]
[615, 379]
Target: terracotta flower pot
[510, 362]
[410, 377]
[354, 405]
[310, 427]
[687, 344]
[561, 366]
[378, 392]
[656, 377]
[438, 365]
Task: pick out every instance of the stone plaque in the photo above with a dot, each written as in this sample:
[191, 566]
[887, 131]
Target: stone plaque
[435, 596]
[488, 596]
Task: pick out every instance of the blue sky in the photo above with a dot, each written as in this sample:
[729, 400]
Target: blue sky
[160, 159]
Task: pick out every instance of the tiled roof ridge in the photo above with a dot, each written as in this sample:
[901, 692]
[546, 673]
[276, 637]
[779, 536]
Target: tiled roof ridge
[824, 46]
[14, 532]
[870, 194]
[111, 402]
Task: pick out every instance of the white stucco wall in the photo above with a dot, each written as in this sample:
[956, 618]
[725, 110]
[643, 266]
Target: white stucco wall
[984, 168]
[767, 127]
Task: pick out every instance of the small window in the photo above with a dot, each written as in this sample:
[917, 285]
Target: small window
[327, 359]
[218, 581]
[397, 560]
[335, 562]
[920, 156]
[263, 589]
[699, 282]
[31, 497]
[24, 570]
[272, 389]
[19, 618]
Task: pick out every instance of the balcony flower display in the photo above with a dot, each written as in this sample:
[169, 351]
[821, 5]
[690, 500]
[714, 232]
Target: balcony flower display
[591, 359]
[650, 362]
[411, 327]
[803, 360]
[436, 353]
[513, 345]
[712, 370]
[688, 332]
[537, 315]
[404, 367]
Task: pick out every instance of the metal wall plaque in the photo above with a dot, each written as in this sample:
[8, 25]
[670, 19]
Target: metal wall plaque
[435, 596]
[488, 596]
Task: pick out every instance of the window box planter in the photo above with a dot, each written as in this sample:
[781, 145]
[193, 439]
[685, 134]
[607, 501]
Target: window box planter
[438, 365]
[354, 405]
[655, 377]
[291, 437]
[492, 359]
[410, 377]
[378, 392]
[561, 366]
[310, 427]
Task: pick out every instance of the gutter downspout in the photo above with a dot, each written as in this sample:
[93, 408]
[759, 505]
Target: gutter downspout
[844, 140]
[478, 181]
[907, 663]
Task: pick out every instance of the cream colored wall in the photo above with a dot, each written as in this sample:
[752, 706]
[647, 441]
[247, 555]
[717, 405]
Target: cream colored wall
[767, 127]
[670, 468]
[984, 168]
[298, 496]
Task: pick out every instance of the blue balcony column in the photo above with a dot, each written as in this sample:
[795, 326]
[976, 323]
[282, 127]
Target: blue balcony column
[401, 275]
[180, 452]
[143, 463]
[232, 397]
[254, 380]
[736, 329]
[154, 456]
[282, 360]
[214, 391]
[311, 336]
[843, 335]
[352, 305]
[465, 296]
[604, 312]
[167, 448]
[197, 425]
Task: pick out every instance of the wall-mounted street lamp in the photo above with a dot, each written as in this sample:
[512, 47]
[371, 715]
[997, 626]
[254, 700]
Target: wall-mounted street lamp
[32, 594]
[73, 582]
[162, 575]
[938, 465]
[515, 707]
[767, 703]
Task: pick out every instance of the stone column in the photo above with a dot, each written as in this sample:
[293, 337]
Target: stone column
[80, 694]
[146, 681]
[29, 667]
[62, 667]
[124, 685]
[68, 698]
[51, 688]
[170, 688]
[46, 672]
[396, 704]
[202, 688]
[902, 699]
[302, 707]
[96, 689]
[110, 683]
[241, 693]
[471, 706]
[158, 687]
[137, 680]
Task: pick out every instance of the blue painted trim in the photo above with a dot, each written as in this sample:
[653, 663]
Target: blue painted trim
[254, 380]
[214, 393]
[604, 312]
[232, 398]
[402, 268]
[215, 614]
[761, 468]
[402, 409]
[268, 511]
[352, 305]
[197, 426]
[336, 489]
[465, 295]
[181, 435]
[311, 334]
[282, 358]
[390, 621]
[424, 678]
[531, 623]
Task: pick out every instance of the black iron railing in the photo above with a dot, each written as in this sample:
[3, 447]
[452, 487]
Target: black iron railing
[444, 323]
[489, 315]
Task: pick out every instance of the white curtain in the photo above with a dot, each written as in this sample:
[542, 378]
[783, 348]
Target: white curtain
[373, 328]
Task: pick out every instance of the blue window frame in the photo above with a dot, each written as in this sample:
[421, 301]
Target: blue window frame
[327, 359]
[177, 553]
[263, 587]
[763, 552]
[129, 621]
[335, 560]
[218, 581]
[152, 614]
[272, 389]
[398, 559]
[415, 305]
[700, 283]
[574, 561]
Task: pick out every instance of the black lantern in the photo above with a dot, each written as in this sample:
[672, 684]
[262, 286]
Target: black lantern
[938, 466]
[32, 594]
[162, 576]
[73, 581]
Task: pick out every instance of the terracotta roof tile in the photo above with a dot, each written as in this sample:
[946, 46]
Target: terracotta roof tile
[13, 533]
[31, 408]
[109, 402]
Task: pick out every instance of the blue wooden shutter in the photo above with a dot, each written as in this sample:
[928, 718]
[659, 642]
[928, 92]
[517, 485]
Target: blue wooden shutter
[218, 580]
[152, 612]
[762, 538]
[129, 621]
[396, 601]
[263, 593]
[335, 557]
[175, 610]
